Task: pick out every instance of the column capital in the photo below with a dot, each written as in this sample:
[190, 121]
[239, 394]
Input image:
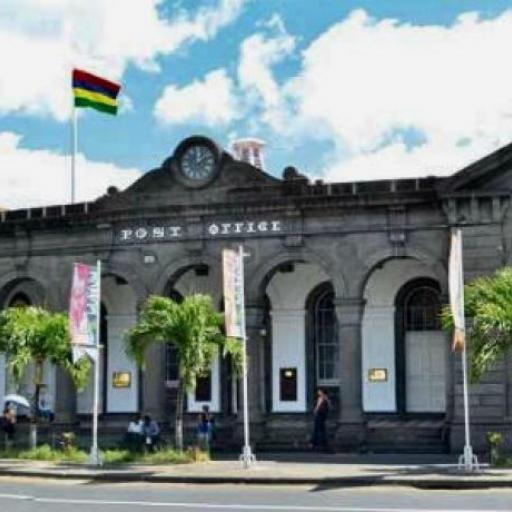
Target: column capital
[349, 310]
[349, 302]
[254, 315]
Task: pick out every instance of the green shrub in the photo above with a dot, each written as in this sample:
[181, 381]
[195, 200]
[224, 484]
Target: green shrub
[166, 456]
[495, 441]
[46, 453]
[70, 453]
[118, 456]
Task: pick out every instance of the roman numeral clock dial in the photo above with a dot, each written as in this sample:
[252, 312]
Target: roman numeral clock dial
[197, 163]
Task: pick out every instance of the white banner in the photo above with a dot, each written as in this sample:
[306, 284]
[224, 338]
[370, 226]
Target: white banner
[456, 284]
[233, 292]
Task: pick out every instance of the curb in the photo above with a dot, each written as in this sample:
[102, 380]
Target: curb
[348, 481]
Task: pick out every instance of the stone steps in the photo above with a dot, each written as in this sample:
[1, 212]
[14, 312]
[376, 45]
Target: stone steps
[414, 436]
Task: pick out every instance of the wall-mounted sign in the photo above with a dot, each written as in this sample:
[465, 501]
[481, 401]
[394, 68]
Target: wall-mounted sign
[166, 232]
[121, 379]
[378, 374]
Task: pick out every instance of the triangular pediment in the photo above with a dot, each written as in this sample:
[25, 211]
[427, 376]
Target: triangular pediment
[169, 184]
[491, 173]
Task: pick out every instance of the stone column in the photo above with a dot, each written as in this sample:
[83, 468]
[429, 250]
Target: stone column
[153, 383]
[65, 397]
[350, 432]
[64, 393]
[256, 357]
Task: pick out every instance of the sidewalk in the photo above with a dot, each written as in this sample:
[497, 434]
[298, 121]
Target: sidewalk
[421, 471]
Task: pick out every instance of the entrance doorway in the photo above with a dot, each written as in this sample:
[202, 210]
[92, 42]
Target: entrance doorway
[421, 349]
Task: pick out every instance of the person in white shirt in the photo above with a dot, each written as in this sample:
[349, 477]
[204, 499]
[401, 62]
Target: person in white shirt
[134, 433]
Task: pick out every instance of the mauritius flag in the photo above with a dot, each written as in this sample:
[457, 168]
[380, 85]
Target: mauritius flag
[92, 91]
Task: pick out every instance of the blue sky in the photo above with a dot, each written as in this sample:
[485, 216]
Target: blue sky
[344, 90]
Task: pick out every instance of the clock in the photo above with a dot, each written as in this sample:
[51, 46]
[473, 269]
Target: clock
[197, 162]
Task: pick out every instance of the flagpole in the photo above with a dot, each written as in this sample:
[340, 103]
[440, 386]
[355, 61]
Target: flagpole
[94, 457]
[247, 457]
[74, 129]
[468, 458]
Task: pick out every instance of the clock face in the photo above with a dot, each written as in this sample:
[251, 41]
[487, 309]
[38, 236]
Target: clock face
[197, 162]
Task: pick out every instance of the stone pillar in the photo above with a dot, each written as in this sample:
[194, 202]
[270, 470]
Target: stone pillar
[64, 393]
[153, 383]
[65, 397]
[254, 317]
[350, 432]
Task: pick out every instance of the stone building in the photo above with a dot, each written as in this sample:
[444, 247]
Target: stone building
[344, 282]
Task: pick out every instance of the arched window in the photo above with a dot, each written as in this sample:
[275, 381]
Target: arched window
[325, 332]
[422, 310]
[20, 300]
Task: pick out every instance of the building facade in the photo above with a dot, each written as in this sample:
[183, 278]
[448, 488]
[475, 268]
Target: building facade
[344, 283]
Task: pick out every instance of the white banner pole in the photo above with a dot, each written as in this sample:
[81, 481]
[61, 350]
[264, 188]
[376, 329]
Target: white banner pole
[247, 457]
[94, 457]
[470, 460]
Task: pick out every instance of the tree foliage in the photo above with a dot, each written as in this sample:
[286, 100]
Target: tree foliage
[33, 335]
[488, 305]
[194, 328]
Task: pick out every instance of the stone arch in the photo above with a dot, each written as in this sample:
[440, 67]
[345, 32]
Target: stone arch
[33, 285]
[377, 258]
[178, 279]
[380, 333]
[129, 274]
[261, 276]
[172, 272]
[121, 293]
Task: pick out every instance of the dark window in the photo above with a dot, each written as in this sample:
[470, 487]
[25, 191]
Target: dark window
[326, 338]
[422, 310]
[204, 388]
[171, 362]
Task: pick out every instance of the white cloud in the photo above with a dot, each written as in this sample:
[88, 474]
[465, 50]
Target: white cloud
[40, 42]
[219, 99]
[365, 83]
[210, 101]
[258, 54]
[41, 177]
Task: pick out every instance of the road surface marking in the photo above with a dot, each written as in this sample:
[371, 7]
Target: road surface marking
[225, 506]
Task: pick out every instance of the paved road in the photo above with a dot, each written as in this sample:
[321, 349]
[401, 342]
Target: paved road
[27, 495]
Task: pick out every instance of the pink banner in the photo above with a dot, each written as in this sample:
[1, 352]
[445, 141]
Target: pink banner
[84, 310]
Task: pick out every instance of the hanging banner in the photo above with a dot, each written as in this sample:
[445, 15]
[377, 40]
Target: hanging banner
[84, 310]
[456, 284]
[233, 293]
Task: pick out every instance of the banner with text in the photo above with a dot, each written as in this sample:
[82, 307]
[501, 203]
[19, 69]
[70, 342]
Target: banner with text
[84, 310]
[233, 293]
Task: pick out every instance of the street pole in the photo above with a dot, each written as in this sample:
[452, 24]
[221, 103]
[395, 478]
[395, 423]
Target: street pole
[74, 129]
[247, 457]
[468, 459]
[94, 456]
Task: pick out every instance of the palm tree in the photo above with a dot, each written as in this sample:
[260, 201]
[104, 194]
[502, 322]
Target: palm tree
[32, 336]
[488, 303]
[194, 328]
